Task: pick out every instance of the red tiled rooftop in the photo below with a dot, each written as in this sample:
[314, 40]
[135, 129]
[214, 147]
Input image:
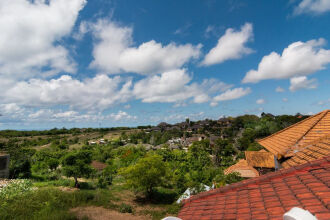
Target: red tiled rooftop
[98, 165]
[267, 197]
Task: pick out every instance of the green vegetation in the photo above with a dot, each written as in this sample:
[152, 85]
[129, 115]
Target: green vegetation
[146, 174]
[76, 164]
[134, 167]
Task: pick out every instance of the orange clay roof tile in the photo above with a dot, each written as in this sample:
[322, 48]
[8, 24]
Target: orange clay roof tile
[260, 159]
[243, 168]
[268, 196]
[287, 141]
[311, 151]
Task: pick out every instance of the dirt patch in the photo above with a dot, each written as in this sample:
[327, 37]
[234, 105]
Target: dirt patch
[67, 189]
[129, 198]
[100, 213]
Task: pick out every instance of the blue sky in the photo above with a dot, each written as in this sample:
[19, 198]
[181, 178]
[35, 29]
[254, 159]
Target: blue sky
[91, 63]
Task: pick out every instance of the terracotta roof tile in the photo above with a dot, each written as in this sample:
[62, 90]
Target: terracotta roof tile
[309, 152]
[260, 159]
[243, 168]
[267, 197]
[286, 141]
[98, 165]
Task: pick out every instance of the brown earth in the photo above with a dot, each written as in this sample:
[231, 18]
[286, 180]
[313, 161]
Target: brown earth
[100, 213]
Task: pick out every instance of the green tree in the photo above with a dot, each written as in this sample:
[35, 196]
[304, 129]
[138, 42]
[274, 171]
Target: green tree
[77, 164]
[146, 174]
[223, 151]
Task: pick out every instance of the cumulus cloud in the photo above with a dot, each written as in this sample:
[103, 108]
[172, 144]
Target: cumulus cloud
[51, 115]
[313, 7]
[114, 51]
[279, 89]
[99, 92]
[121, 115]
[298, 59]
[231, 94]
[301, 82]
[260, 101]
[175, 86]
[173, 118]
[44, 115]
[30, 31]
[213, 104]
[230, 46]
[10, 109]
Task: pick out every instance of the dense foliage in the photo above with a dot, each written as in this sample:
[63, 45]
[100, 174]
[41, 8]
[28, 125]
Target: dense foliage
[141, 158]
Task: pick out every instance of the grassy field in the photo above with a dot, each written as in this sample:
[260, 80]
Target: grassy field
[60, 200]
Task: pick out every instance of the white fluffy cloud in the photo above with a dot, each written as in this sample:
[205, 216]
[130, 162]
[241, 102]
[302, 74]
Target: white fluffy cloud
[231, 94]
[29, 33]
[50, 115]
[121, 115]
[230, 46]
[301, 82]
[312, 6]
[114, 51]
[44, 115]
[298, 59]
[99, 92]
[279, 89]
[177, 117]
[11, 110]
[173, 86]
[260, 101]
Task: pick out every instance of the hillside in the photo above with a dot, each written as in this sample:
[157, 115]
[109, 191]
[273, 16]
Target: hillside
[129, 173]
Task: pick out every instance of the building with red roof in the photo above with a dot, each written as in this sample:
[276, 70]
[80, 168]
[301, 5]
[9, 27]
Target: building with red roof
[306, 186]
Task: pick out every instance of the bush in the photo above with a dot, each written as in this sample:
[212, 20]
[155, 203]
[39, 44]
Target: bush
[124, 208]
[147, 173]
[50, 204]
[14, 188]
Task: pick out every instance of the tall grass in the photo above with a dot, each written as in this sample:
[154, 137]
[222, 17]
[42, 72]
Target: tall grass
[51, 204]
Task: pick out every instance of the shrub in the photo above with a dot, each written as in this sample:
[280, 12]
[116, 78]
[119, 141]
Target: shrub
[125, 208]
[14, 188]
[146, 174]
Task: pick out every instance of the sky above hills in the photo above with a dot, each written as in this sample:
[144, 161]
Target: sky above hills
[102, 63]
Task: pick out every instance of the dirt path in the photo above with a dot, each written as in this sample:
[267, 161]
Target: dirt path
[100, 213]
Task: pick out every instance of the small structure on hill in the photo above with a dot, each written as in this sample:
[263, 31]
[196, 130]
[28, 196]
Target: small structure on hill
[4, 165]
[99, 166]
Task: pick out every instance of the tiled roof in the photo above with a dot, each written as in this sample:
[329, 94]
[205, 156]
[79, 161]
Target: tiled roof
[312, 151]
[260, 159]
[286, 141]
[267, 197]
[243, 168]
[98, 165]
